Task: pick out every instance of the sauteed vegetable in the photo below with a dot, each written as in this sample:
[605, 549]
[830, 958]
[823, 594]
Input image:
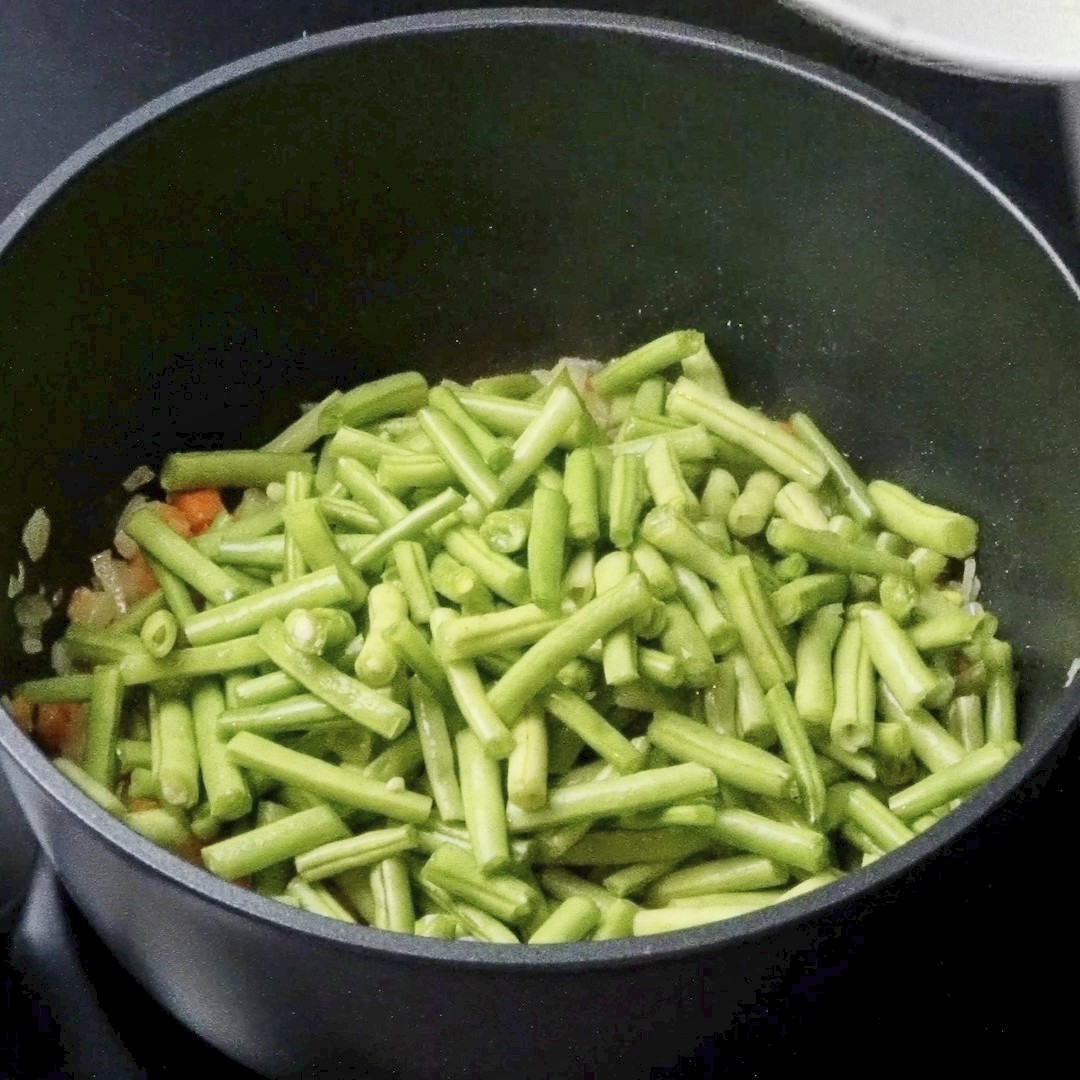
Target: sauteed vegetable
[585, 653]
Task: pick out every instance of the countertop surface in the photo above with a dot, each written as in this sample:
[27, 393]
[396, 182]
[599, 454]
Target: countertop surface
[1002, 985]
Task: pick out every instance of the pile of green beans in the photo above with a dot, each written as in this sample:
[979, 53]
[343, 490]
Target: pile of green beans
[543, 659]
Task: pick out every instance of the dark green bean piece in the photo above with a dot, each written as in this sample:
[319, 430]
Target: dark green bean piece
[798, 751]
[582, 496]
[626, 499]
[527, 768]
[895, 657]
[735, 873]
[502, 575]
[965, 721]
[852, 724]
[581, 718]
[547, 547]
[229, 468]
[788, 844]
[483, 799]
[999, 715]
[265, 688]
[303, 432]
[857, 805]
[175, 755]
[302, 712]
[814, 693]
[393, 395]
[573, 920]
[952, 782]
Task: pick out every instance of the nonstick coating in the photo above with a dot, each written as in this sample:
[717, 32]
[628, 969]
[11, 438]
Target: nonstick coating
[465, 194]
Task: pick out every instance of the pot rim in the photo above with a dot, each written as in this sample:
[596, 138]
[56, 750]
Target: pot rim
[1035, 757]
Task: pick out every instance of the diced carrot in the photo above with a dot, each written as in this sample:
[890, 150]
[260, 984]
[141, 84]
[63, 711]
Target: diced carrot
[174, 518]
[142, 804]
[142, 576]
[60, 728]
[23, 714]
[192, 851]
[199, 507]
[244, 882]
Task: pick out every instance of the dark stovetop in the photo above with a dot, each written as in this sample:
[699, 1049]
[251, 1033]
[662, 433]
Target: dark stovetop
[68, 69]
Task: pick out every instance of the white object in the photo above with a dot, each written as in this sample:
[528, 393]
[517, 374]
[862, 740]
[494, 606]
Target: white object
[1028, 39]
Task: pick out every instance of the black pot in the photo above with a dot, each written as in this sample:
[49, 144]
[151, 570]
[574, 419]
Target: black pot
[463, 193]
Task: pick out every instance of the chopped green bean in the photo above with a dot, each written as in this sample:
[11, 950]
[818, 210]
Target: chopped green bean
[229, 468]
[853, 491]
[626, 372]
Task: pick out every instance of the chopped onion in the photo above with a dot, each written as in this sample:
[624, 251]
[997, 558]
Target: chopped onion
[32, 611]
[61, 661]
[970, 584]
[974, 608]
[1074, 669]
[251, 501]
[106, 570]
[17, 581]
[139, 477]
[91, 607]
[32, 644]
[35, 536]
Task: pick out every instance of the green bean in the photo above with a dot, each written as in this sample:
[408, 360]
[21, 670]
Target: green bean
[719, 495]
[965, 721]
[321, 588]
[471, 696]
[573, 920]
[798, 751]
[634, 878]
[665, 480]
[788, 844]
[301, 712]
[317, 630]
[179, 557]
[623, 847]
[898, 596]
[131, 753]
[317, 900]
[507, 531]
[582, 496]
[393, 896]
[816, 881]
[495, 454]
[501, 896]
[617, 795]
[761, 640]
[482, 796]
[159, 633]
[265, 845]
[347, 695]
[527, 768]
[306, 527]
[797, 599]
[262, 689]
[298, 489]
[852, 490]
[561, 884]
[604, 739]
[856, 762]
[702, 368]
[406, 470]
[683, 639]
[505, 416]
[616, 921]
[227, 793]
[461, 456]
[733, 874]
[393, 395]
[857, 805]
[376, 663]
[178, 757]
[619, 648]
[547, 547]
[892, 750]
[303, 432]
[668, 919]
[814, 694]
[645, 361]
[999, 715]
[791, 567]
[500, 574]
[852, 724]
[799, 504]
[932, 744]
[718, 629]
[748, 431]
[928, 565]
[132, 620]
[719, 698]
[542, 435]
[573, 635]
[626, 499]
[895, 657]
[826, 548]
[451, 579]
[752, 722]
[340, 853]
[922, 523]
[740, 764]
[953, 782]
[162, 827]
[469, 636]
[56, 688]
[241, 652]
[229, 468]
[333, 782]
[103, 725]
[436, 925]
[90, 787]
[680, 541]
